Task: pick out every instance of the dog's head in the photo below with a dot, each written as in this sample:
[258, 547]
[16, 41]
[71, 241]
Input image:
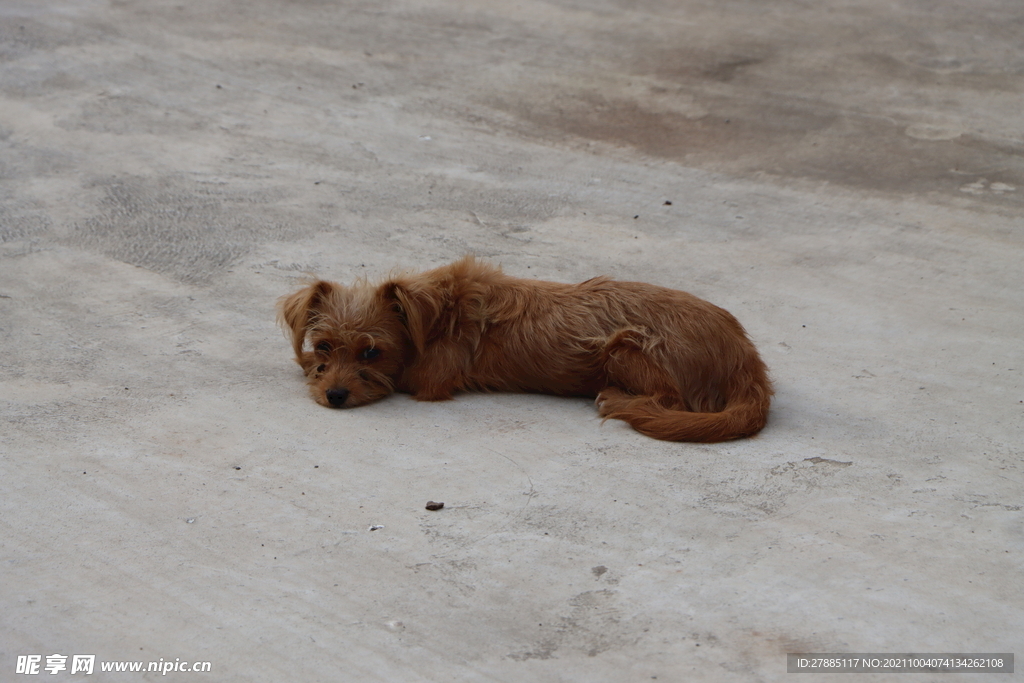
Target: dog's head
[352, 342]
[355, 343]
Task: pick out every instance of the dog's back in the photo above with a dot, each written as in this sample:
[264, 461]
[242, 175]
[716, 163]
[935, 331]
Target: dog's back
[684, 369]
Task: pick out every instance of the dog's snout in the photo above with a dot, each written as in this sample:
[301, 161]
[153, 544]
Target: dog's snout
[337, 397]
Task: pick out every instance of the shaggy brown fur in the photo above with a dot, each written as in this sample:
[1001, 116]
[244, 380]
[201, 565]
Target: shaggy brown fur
[673, 366]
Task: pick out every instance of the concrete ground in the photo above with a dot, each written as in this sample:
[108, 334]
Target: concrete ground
[845, 176]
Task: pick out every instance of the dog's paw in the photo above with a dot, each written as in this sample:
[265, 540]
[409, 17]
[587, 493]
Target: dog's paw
[423, 395]
[608, 400]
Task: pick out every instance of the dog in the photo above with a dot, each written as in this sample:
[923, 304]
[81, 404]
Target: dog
[673, 366]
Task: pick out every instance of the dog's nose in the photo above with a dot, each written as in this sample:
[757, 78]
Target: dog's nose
[337, 397]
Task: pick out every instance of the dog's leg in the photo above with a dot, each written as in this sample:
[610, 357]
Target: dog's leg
[438, 373]
[431, 391]
[643, 393]
[630, 365]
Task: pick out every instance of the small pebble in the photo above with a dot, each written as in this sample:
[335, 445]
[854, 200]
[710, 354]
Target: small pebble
[431, 505]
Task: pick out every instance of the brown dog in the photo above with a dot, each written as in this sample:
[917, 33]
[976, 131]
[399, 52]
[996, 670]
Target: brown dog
[671, 365]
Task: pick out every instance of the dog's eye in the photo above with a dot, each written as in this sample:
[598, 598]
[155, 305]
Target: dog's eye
[323, 347]
[370, 354]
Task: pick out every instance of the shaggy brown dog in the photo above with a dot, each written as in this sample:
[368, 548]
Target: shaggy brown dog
[671, 365]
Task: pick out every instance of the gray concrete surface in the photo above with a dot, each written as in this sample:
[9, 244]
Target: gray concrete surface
[845, 176]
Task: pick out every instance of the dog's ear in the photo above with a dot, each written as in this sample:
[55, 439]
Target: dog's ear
[421, 307]
[297, 312]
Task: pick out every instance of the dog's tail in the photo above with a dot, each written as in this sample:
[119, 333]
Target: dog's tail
[748, 396]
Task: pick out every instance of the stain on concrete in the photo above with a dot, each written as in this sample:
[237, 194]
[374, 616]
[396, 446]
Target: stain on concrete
[19, 221]
[787, 105]
[837, 463]
[178, 227]
[590, 623]
[125, 114]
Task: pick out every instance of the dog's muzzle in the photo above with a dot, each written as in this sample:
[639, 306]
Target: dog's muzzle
[337, 397]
